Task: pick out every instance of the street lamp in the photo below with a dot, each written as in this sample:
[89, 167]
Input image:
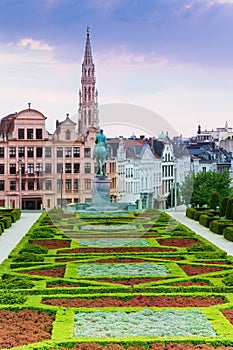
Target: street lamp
[20, 183]
[61, 187]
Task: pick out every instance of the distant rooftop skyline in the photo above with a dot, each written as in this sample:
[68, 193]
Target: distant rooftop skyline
[173, 57]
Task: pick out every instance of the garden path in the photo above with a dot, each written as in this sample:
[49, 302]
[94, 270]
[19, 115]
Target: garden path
[218, 240]
[11, 237]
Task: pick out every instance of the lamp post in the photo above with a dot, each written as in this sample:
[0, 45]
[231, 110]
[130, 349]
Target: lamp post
[20, 183]
[61, 188]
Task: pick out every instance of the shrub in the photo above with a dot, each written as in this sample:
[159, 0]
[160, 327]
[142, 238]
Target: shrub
[206, 219]
[228, 280]
[11, 298]
[34, 248]
[190, 212]
[6, 221]
[223, 206]
[16, 282]
[29, 257]
[228, 233]
[229, 209]
[217, 226]
[214, 200]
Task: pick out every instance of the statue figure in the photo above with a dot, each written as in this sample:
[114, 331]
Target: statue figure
[100, 153]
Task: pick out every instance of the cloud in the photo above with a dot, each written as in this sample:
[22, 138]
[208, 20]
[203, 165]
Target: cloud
[31, 44]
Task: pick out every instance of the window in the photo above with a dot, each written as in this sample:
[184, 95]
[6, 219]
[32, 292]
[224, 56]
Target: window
[48, 185]
[39, 152]
[59, 168]
[23, 185]
[76, 184]
[2, 169]
[68, 168]
[87, 168]
[21, 134]
[59, 184]
[2, 185]
[59, 152]
[68, 184]
[12, 185]
[204, 169]
[30, 152]
[39, 134]
[48, 152]
[87, 184]
[1, 152]
[68, 135]
[76, 168]
[87, 152]
[21, 152]
[30, 168]
[39, 168]
[22, 169]
[39, 185]
[68, 152]
[12, 152]
[76, 152]
[48, 168]
[48, 203]
[30, 134]
[12, 168]
[31, 185]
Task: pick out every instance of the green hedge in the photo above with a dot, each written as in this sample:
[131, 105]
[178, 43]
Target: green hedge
[217, 226]
[205, 219]
[228, 233]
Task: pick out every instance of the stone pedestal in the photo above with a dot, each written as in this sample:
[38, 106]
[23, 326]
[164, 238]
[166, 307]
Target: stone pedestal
[101, 191]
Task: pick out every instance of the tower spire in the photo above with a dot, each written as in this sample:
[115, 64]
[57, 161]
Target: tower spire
[88, 104]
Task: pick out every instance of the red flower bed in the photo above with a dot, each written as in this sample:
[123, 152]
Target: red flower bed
[229, 315]
[178, 242]
[52, 243]
[198, 270]
[116, 250]
[132, 281]
[61, 285]
[187, 284]
[156, 346]
[119, 261]
[24, 327]
[137, 301]
[56, 272]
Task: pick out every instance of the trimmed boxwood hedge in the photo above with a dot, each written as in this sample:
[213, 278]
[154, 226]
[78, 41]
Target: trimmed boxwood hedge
[228, 233]
[205, 219]
[217, 226]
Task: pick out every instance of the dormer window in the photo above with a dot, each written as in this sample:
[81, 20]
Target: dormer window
[68, 134]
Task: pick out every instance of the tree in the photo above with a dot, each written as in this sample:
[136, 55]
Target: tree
[214, 200]
[171, 200]
[205, 183]
[186, 188]
[229, 209]
[223, 206]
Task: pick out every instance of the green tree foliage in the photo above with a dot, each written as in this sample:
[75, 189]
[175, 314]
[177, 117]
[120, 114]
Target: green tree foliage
[205, 183]
[214, 200]
[229, 209]
[172, 200]
[223, 206]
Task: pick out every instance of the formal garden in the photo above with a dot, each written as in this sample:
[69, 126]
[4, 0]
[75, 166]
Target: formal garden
[115, 281]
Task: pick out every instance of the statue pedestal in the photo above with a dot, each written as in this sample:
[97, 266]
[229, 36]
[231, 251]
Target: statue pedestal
[101, 191]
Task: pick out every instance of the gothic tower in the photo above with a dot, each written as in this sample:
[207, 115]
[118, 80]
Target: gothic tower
[88, 95]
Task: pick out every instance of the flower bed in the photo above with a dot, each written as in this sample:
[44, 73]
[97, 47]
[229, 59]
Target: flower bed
[143, 269]
[24, 327]
[118, 242]
[168, 323]
[137, 301]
